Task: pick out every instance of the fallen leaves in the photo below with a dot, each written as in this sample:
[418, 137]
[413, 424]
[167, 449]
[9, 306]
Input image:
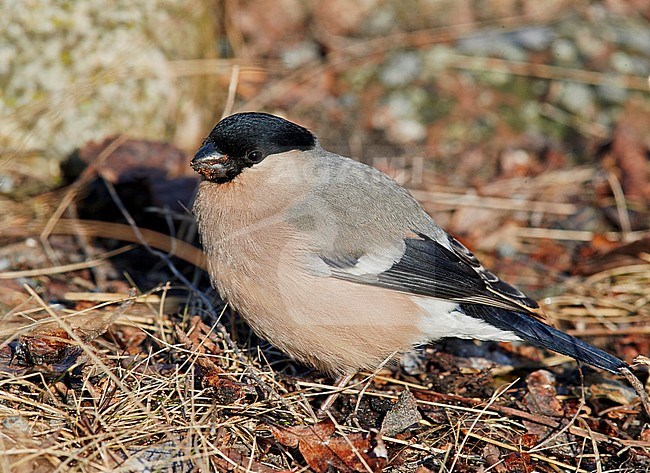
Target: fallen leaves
[54, 352]
[323, 448]
[53, 346]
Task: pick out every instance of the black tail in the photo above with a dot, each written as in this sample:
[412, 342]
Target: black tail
[545, 336]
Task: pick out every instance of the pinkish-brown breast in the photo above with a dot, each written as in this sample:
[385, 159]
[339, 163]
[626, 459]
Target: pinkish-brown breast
[257, 261]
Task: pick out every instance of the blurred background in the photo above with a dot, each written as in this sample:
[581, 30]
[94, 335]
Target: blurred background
[505, 117]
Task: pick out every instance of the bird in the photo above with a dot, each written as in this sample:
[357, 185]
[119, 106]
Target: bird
[337, 265]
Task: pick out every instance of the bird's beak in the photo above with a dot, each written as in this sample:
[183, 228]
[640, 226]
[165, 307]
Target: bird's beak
[212, 164]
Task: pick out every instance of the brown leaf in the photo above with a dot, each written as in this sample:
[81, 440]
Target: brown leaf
[204, 338]
[518, 462]
[224, 390]
[134, 160]
[528, 440]
[292, 435]
[626, 159]
[540, 399]
[144, 173]
[47, 345]
[49, 352]
[128, 337]
[542, 396]
[286, 436]
[645, 435]
[322, 449]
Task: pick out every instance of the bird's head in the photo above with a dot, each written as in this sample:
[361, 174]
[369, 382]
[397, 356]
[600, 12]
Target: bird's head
[243, 140]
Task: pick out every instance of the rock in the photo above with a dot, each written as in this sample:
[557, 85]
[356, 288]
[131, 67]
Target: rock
[578, 98]
[300, 54]
[401, 69]
[436, 59]
[564, 51]
[402, 415]
[536, 38]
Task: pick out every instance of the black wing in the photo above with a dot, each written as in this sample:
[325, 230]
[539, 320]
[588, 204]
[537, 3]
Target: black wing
[427, 268]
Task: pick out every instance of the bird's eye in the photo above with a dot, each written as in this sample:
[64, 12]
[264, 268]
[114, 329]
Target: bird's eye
[255, 156]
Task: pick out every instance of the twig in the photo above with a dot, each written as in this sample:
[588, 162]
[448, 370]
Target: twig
[366, 383]
[577, 235]
[594, 446]
[90, 353]
[468, 432]
[569, 424]
[536, 456]
[603, 332]
[28, 273]
[84, 244]
[232, 91]
[638, 388]
[376, 48]
[345, 437]
[546, 71]
[512, 412]
[118, 231]
[621, 205]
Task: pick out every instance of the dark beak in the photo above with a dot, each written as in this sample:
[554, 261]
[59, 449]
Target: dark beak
[212, 164]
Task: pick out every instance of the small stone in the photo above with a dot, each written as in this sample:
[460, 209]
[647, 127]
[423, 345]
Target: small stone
[402, 415]
[577, 98]
[564, 51]
[159, 457]
[7, 184]
[16, 424]
[436, 59]
[612, 93]
[636, 38]
[407, 131]
[614, 391]
[627, 64]
[401, 69]
[413, 363]
[300, 54]
[382, 21]
[536, 38]
[588, 43]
